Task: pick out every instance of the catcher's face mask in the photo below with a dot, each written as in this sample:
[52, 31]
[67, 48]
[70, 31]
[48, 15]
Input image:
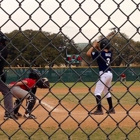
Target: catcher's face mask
[43, 83]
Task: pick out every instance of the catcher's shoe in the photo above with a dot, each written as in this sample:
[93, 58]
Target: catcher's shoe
[18, 115]
[29, 116]
[97, 112]
[9, 117]
[111, 111]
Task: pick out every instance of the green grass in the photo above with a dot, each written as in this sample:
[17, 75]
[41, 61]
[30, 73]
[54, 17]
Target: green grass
[123, 97]
[89, 84]
[50, 133]
[86, 99]
[75, 85]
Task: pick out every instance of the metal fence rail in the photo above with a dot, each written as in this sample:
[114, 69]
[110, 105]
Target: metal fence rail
[79, 20]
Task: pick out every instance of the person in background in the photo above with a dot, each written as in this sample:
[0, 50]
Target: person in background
[7, 96]
[123, 78]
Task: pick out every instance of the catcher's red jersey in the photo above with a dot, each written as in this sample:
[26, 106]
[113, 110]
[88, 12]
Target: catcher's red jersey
[30, 84]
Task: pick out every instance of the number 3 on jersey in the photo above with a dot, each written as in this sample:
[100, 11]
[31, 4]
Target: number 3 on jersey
[108, 61]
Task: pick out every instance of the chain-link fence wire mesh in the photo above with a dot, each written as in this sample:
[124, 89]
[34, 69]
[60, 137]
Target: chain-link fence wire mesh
[61, 16]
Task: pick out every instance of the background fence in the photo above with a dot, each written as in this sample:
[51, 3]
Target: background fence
[73, 74]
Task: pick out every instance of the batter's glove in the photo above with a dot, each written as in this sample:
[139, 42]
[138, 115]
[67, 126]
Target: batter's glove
[43, 83]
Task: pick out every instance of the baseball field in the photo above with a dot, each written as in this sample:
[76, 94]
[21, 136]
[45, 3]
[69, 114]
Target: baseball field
[63, 114]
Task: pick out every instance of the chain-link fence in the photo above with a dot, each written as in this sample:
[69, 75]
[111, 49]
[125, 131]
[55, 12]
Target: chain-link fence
[46, 33]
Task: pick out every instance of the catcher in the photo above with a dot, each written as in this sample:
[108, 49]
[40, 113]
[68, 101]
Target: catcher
[26, 89]
[101, 53]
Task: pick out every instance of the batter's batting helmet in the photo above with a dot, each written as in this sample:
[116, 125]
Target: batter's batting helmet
[105, 44]
[34, 74]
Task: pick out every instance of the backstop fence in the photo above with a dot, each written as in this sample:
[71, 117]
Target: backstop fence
[76, 18]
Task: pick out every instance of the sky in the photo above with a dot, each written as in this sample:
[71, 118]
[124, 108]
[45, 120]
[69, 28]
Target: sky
[80, 20]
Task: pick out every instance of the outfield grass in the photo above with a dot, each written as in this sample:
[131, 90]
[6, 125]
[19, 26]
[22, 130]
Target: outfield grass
[119, 96]
[75, 85]
[126, 98]
[89, 84]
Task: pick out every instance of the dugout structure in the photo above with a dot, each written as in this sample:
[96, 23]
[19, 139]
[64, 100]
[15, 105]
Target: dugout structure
[73, 59]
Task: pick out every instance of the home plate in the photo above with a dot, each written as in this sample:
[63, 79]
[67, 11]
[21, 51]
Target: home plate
[48, 106]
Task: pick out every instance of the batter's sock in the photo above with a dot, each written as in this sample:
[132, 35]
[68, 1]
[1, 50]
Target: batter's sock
[98, 100]
[109, 100]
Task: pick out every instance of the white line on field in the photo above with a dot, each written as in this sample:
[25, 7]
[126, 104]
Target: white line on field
[58, 110]
[49, 106]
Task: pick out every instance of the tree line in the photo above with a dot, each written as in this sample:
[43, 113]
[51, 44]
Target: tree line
[126, 51]
[39, 49]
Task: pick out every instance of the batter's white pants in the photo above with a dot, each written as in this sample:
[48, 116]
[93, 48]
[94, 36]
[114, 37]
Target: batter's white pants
[104, 83]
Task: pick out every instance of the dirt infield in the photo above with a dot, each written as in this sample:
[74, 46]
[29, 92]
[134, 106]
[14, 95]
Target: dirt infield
[51, 113]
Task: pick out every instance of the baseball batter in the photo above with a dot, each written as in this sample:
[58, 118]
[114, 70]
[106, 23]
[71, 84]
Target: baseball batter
[103, 57]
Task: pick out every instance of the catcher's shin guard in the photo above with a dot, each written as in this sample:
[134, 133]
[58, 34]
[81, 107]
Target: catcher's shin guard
[31, 100]
[17, 105]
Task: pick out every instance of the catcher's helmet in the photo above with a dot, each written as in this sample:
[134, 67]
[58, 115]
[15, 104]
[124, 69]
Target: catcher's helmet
[105, 44]
[35, 74]
[3, 38]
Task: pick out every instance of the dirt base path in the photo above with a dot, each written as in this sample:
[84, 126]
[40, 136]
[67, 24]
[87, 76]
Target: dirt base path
[52, 114]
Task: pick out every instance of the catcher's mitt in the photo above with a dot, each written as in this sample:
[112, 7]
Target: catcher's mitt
[43, 83]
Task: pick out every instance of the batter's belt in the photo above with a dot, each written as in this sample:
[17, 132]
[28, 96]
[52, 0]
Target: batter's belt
[101, 72]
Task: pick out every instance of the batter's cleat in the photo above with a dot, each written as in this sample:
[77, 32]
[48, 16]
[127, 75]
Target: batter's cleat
[10, 117]
[97, 112]
[29, 116]
[18, 115]
[111, 111]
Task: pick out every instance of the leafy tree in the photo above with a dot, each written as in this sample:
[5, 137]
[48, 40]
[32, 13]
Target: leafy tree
[136, 56]
[38, 48]
[125, 51]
